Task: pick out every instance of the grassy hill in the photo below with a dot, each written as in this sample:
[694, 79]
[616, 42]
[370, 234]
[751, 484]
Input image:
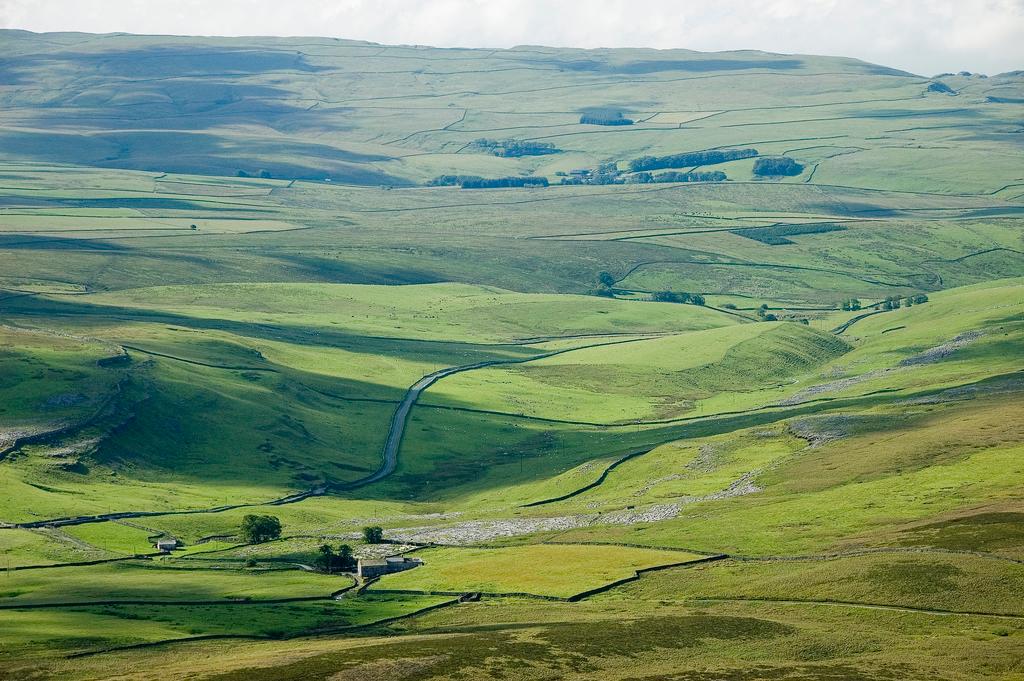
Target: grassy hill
[348, 285]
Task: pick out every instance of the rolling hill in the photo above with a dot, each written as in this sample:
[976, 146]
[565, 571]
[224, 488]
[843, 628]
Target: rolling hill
[668, 364]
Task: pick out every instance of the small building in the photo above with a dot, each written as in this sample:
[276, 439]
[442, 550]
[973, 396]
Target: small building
[369, 568]
[166, 544]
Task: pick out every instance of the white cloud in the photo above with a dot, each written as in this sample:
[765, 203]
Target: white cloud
[924, 36]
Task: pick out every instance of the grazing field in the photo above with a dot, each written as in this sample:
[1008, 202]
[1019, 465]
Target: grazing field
[543, 569]
[638, 419]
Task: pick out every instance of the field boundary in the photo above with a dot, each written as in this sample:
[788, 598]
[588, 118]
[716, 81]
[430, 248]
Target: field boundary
[637, 574]
[262, 637]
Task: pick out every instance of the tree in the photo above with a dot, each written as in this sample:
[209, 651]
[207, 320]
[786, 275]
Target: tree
[373, 535]
[346, 559]
[325, 561]
[257, 529]
[670, 297]
[696, 299]
[778, 166]
[606, 279]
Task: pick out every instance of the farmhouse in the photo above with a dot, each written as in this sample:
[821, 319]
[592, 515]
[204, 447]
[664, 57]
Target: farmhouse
[370, 568]
[166, 544]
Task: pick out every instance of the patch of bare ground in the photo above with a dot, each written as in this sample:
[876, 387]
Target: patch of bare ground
[820, 430]
[940, 352]
[482, 531]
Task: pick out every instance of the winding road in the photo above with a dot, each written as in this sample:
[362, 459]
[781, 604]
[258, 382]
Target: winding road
[389, 455]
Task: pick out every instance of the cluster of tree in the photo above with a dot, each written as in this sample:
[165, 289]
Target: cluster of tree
[605, 173]
[257, 529]
[764, 314]
[604, 117]
[939, 86]
[777, 166]
[890, 303]
[692, 158]
[775, 235]
[677, 297]
[676, 176]
[477, 182]
[605, 285]
[331, 561]
[512, 148]
[895, 302]
[451, 180]
[373, 535]
[851, 304]
[264, 174]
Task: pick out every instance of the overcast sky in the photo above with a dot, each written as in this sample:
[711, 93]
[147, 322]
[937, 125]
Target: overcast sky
[923, 36]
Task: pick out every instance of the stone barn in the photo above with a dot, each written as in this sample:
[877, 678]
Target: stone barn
[370, 568]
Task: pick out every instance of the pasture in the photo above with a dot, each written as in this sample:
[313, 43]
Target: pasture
[231, 284]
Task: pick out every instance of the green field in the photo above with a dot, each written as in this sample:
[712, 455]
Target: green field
[541, 569]
[231, 284]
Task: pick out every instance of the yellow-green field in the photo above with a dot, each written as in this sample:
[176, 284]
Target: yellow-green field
[543, 569]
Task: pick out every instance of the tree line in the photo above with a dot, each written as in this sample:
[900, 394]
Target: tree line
[605, 118]
[477, 182]
[677, 297]
[692, 158]
[676, 176]
[512, 148]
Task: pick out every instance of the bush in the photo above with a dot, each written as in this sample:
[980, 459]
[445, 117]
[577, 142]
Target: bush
[780, 166]
[257, 529]
[373, 535]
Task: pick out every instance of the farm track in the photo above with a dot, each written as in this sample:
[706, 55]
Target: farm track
[396, 430]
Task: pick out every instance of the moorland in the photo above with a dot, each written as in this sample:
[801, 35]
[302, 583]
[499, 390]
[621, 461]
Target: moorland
[666, 364]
